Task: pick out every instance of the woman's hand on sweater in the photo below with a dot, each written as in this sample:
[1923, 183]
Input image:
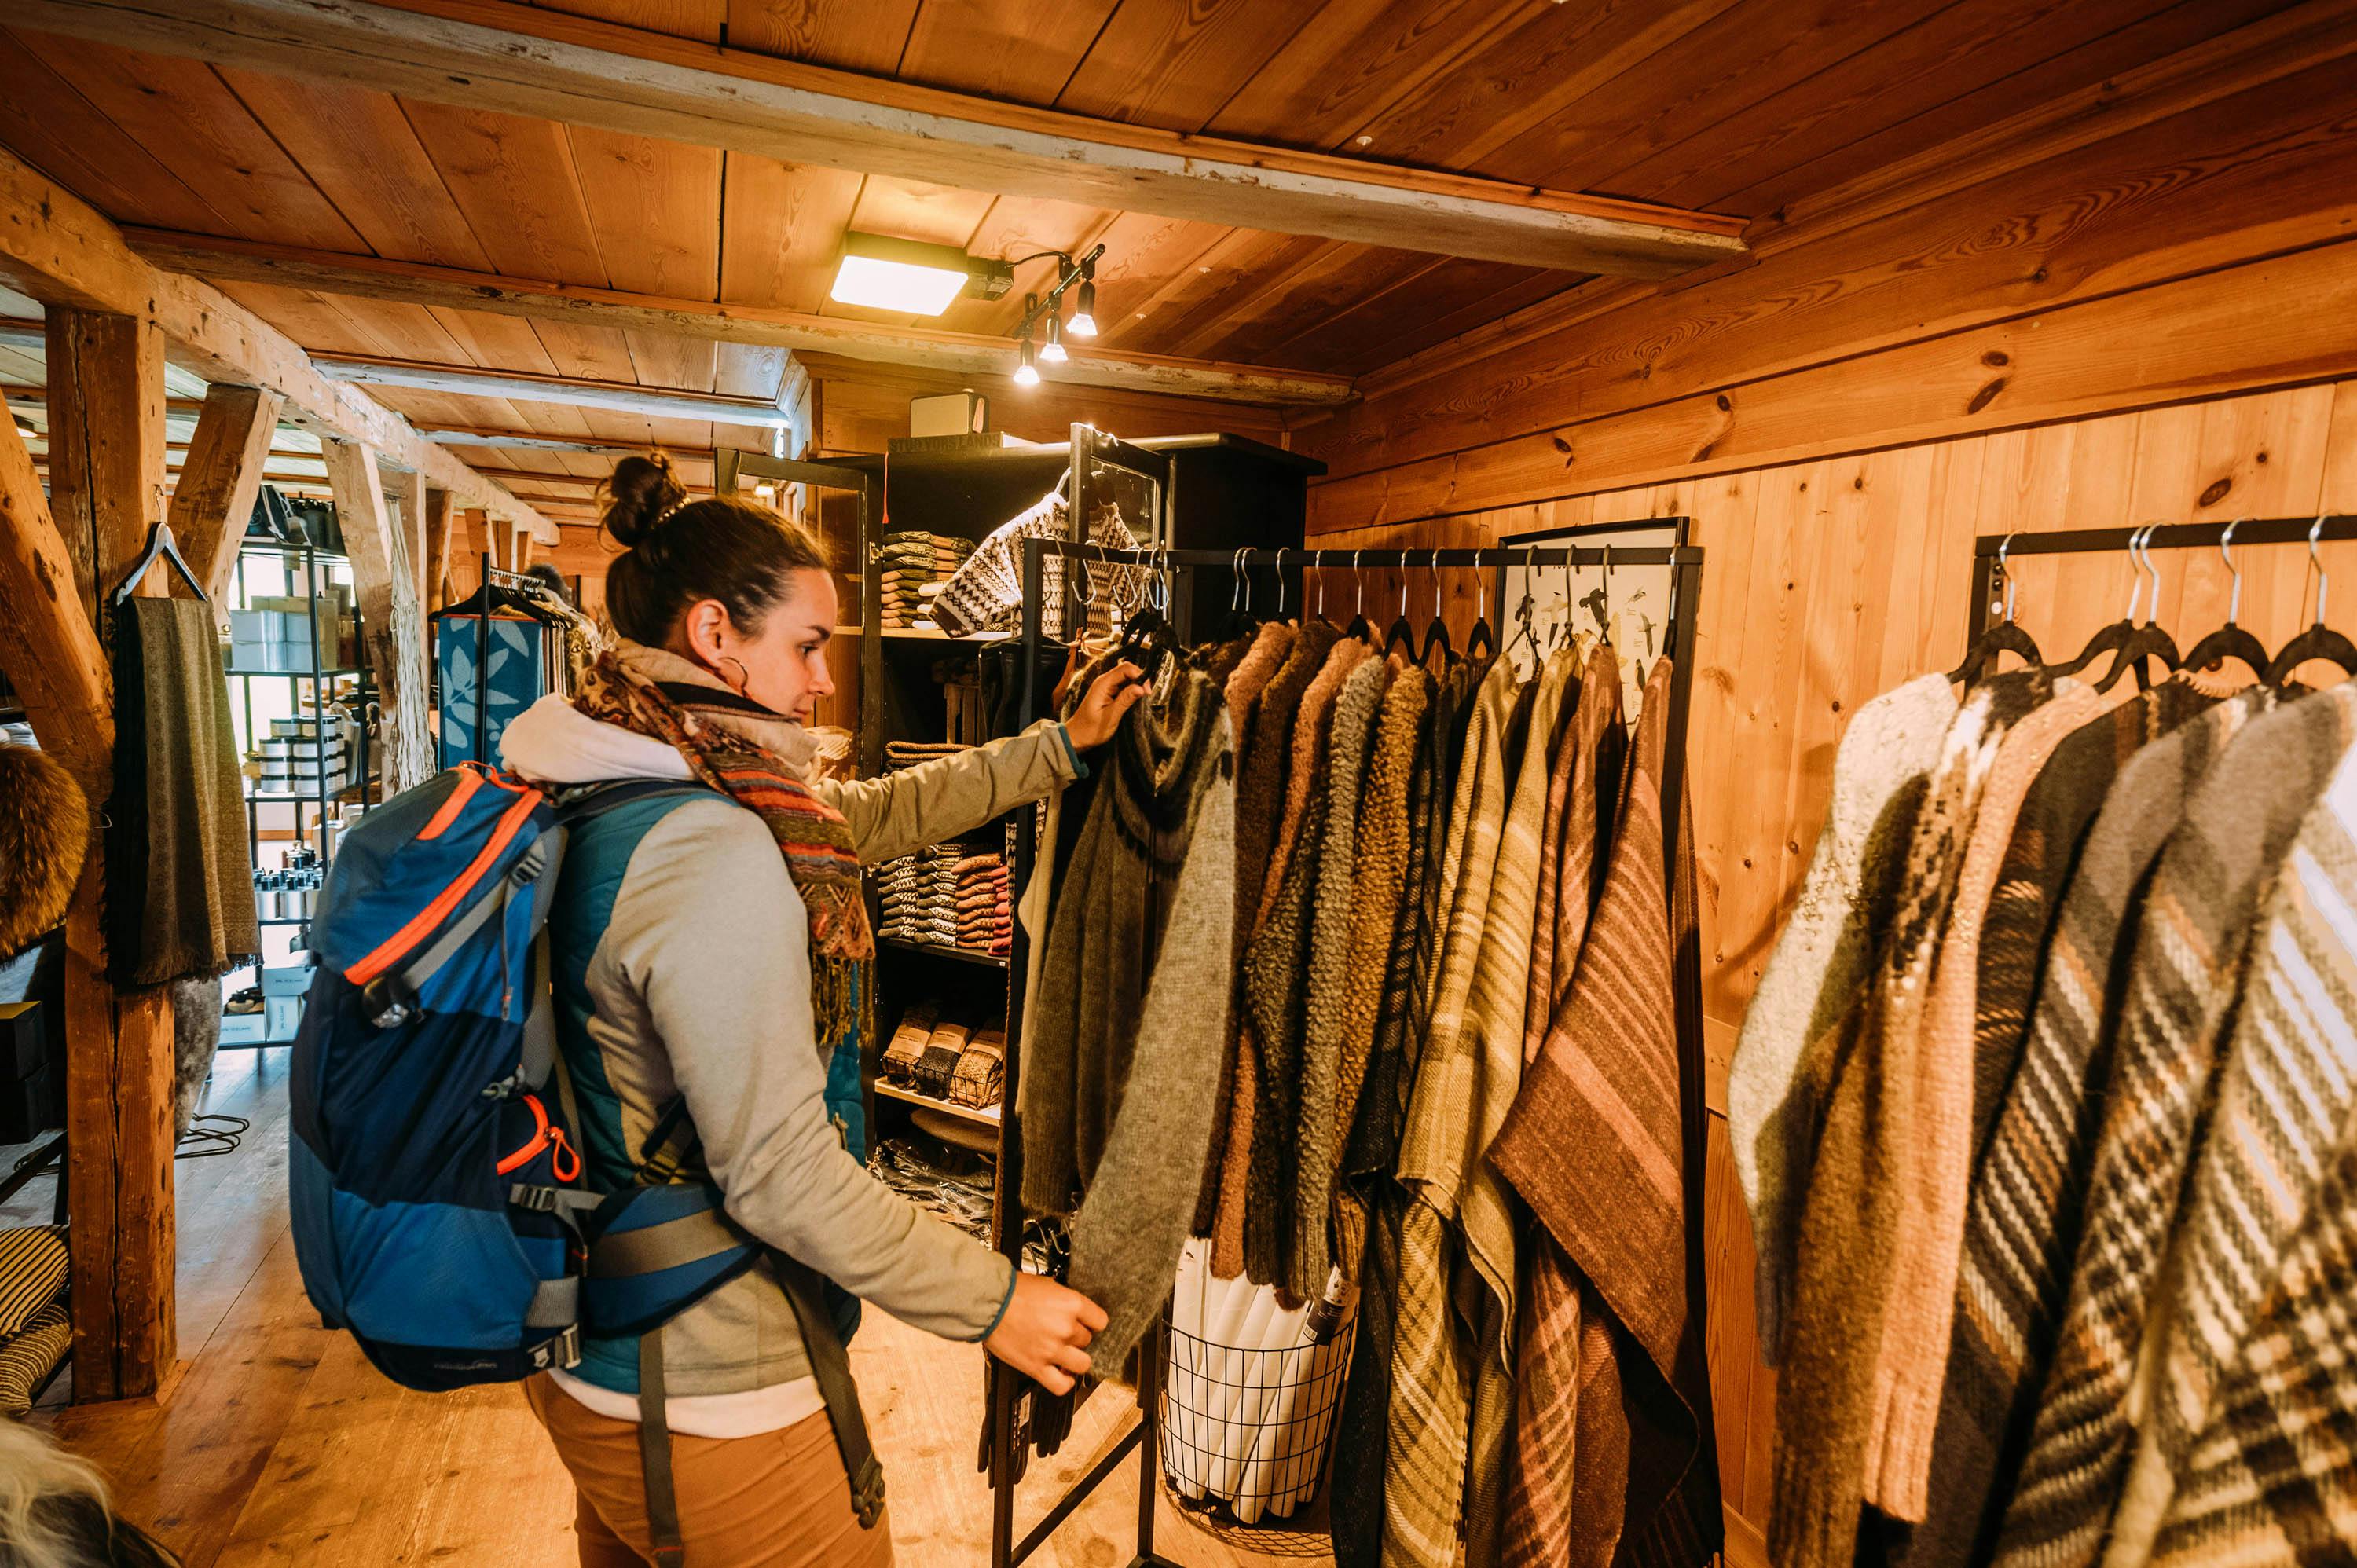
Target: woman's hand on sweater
[1108, 698]
[1045, 1332]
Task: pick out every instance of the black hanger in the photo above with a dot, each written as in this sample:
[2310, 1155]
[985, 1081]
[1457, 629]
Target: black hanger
[2228, 641]
[2004, 636]
[2113, 637]
[2148, 640]
[160, 544]
[1401, 635]
[1436, 634]
[1483, 634]
[1359, 627]
[2319, 641]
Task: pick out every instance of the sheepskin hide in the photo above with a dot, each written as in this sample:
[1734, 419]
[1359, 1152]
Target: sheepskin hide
[44, 839]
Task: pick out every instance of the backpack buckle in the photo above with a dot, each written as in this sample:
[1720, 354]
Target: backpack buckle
[538, 1199]
[562, 1350]
[868, 1493]
[387, 1008]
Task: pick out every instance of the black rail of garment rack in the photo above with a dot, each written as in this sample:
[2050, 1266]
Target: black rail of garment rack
[1005, 1387]
[1990, 550]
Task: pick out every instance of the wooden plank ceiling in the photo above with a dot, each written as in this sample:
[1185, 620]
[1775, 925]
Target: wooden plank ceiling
[1738, 106]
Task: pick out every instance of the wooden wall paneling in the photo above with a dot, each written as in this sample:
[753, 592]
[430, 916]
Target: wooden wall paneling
[387, 594]
[602, 353]
[107, 433]
[359, 146]
[705, 21]
[1245, 273]
[2269, 175]
[515, 181]
[851, 34]
[749, 370]
[2224, 334]
[51, 124]
[217, 485]
[193, 124]
[655, 207]
[510, 342]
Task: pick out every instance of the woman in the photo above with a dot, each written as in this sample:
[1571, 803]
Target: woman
[704, 946]
[54, 1513]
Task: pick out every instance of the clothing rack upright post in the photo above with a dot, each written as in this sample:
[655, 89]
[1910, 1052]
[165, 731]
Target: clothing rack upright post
[1686, 561]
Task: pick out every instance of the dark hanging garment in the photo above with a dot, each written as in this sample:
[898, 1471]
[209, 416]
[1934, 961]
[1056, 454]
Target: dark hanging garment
[177, 858]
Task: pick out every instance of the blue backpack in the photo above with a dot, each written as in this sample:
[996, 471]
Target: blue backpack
[436, 1181]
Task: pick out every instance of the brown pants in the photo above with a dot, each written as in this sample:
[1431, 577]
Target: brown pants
[779, 1499]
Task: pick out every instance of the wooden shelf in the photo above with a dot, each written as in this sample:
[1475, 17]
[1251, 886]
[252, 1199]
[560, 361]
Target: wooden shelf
[937, 950]
[987, 1115]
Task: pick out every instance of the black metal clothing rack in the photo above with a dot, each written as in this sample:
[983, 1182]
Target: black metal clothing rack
[1990, 550]
[1005, 1392]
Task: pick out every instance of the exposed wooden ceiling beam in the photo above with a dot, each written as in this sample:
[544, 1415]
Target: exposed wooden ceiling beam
[518, 59]
[58, 249]
[962, 353]
[620, 397]
[534, 441]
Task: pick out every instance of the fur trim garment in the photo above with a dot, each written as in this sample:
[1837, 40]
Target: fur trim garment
[44, 842]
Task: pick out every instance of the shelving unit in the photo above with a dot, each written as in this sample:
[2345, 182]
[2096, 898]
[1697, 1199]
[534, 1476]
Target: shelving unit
[937, 950]
[312, 564]
[988, 1115]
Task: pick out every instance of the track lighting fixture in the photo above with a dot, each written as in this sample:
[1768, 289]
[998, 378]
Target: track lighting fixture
[1050, 308]
[886, 274]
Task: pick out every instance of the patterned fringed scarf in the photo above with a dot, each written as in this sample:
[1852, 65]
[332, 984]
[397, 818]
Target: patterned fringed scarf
[662, 696]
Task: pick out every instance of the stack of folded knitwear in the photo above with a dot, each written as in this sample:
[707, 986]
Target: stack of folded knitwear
[915, 566]
[986, 921]
[981, 1075]
[946, 1058]
[903, 754]
[918, 892]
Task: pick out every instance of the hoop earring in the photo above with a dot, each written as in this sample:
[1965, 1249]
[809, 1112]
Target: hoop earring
[744, 677]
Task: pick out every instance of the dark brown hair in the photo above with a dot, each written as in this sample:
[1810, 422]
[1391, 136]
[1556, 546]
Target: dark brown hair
[676, 551]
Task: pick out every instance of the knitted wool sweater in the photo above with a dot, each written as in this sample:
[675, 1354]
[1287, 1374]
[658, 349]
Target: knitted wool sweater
[2238, 1398]
[1381, 878]
[1820, 967]
[1938, 1162]
[1244, 690]
[2182, 983]
[1113, 909]
[2022, 1213]
[1140, 1199]
[1275, 1003]
[1843, 1262]
[1261, 787]
[1315, 1139]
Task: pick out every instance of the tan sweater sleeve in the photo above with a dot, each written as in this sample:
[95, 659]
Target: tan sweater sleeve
[953, 795]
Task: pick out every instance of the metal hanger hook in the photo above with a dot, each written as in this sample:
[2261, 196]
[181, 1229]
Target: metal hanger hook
[1237, 601]
[2323, 580]
[2234, 572]
[1321, 593]
[1436, 585]
[1280, 582]
[2005, 573]
[1360, 608]
[2135, 569]
[1403, 615]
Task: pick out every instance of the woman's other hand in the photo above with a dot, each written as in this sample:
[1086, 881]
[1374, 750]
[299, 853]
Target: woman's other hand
[1045, 1331]
[1109, 696]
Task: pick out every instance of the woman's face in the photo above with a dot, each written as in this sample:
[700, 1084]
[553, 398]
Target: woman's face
[784, 667]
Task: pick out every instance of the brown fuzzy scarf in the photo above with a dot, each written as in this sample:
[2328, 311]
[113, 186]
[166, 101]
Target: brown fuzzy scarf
[44, 839]
[714, 729]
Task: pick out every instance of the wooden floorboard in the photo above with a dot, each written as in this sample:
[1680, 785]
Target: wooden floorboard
[277, 1442]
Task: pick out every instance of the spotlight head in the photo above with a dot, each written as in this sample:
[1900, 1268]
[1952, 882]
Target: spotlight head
[1026, 368]
[1084, 306]
[1053, 350]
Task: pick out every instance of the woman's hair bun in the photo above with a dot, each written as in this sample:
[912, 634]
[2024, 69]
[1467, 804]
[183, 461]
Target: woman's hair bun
[641, 490]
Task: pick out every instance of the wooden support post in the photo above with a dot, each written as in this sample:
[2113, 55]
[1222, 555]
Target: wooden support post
[221, 478]
[408, 489]
[439, 511]
[106, 441]
[388, 603]
[106, 445]
[520, 544]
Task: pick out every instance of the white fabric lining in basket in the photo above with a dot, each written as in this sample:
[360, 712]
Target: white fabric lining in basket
[1250, 1395]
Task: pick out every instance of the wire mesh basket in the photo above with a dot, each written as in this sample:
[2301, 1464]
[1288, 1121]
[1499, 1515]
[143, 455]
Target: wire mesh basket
[1248, 1428]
